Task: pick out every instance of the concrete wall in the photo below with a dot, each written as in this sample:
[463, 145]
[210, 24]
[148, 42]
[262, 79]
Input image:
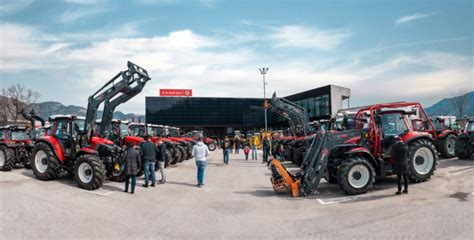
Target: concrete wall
[338, 95]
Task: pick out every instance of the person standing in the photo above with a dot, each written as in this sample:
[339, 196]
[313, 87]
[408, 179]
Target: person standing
[162, 159]
[280, 152]
[266, 149]
[149, 151]
[131, 158]
[400, 166]
[246, 152]
[254, 143]
[232, 142]
[200, 152]
[237, 144]
[226, 150]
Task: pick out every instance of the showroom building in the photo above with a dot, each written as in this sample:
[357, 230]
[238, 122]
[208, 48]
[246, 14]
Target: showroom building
[221, 116]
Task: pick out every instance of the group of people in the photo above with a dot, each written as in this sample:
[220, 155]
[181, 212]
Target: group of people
[249, 146]
[148, 152]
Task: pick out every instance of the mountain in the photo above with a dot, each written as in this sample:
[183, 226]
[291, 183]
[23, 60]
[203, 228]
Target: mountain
[46, 109]
[445, 107]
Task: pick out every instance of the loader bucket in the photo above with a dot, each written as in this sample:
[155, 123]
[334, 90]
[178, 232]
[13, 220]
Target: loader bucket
[282, 180]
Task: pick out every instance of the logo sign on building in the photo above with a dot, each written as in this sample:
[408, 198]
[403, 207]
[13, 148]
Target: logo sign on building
[176, 92]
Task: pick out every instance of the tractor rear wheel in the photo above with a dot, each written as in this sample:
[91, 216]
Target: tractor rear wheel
[45, 164]
[447, 146]
[422, 160]
[356, 175]
[183, 153]
[169, 158]
[89, 172]
[7, 158]
[176, 156]
[462, 148]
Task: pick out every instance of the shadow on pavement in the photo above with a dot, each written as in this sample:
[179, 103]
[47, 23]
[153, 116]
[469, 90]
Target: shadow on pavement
[181, 184]
[265, 193]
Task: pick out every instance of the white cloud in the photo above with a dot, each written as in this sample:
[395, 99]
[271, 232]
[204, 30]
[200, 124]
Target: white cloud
[413, 17]
[212, 67]
[304, 37]
[12, 6]
[71, 16]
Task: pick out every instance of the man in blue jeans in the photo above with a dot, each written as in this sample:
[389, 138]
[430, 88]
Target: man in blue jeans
[226, 146]
[200, 152]
[149, 151]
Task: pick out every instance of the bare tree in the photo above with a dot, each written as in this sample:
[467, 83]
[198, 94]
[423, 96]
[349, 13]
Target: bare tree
[459, 101]
[16, 98]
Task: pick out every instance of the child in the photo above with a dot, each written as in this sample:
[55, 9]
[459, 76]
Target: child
[246, 151]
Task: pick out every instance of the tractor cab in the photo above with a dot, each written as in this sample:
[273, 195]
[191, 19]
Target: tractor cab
[67, 130]
[444, 123]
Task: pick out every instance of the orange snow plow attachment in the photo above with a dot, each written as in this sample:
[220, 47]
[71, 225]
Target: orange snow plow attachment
[282, 180]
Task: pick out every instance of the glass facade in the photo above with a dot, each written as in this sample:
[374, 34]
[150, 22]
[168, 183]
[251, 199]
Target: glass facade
[218, 116]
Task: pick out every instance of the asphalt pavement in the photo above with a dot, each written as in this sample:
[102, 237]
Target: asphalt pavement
[237, 202]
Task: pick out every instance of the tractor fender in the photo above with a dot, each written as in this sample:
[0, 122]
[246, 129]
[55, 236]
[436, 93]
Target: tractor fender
[85, 150]
[446, 133]
[55, 146]
[426, 137]
[360, 151]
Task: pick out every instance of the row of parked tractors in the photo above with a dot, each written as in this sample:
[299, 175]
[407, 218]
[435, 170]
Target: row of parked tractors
[354, 147]
[87, 148]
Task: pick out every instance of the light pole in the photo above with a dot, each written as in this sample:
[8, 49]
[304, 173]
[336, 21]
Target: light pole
[264, 71]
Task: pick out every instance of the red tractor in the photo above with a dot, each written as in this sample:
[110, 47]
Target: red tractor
[447, 133]
[73, 147]
[15, 147]
[353, 158]
[211, 143]
[465, 141]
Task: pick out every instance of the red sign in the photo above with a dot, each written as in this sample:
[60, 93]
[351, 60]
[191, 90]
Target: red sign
[176, 92]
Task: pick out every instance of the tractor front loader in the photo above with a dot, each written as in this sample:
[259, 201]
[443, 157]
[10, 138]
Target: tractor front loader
[73, 147]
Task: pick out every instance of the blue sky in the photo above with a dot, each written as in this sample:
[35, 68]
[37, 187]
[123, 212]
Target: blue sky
[383, 50]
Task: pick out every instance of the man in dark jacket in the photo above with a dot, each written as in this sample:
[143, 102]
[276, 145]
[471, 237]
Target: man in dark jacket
[400, 167]
[226, 150]
[162, 159]
[266, 149]
[149, 151]
[132, 161]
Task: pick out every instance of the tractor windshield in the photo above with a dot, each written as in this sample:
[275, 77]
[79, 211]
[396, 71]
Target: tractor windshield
[19, 135]
[157, 131]
[80, 124]
[137, 131]
[393, 124]
[123, 129]
[470, 127]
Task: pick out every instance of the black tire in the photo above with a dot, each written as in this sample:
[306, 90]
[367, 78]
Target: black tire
[462, 148]
[116, 175]
[8, 159]
[447, 146]
[426, 167]
[89, 167]
[37, 164]
[176, 156]
[169, 158]
[183, 153]
[349, 184]
[212, 147]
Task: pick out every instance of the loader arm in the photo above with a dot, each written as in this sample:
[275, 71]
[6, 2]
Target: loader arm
[298, 117]
[307, 179]
[32, 117]
[121, 83]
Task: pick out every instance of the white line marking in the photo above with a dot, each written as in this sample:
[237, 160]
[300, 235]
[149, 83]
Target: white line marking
[98, 193]
[461, 172]
[335, 200]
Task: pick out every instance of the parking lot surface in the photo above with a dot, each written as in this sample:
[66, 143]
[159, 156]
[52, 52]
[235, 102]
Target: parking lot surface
[237, 202]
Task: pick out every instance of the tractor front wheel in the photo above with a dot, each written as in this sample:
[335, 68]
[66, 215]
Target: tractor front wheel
[89, 172]
[447, 146]
[7, 158]
[45, 164]
[422, 160]
[356, 175]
